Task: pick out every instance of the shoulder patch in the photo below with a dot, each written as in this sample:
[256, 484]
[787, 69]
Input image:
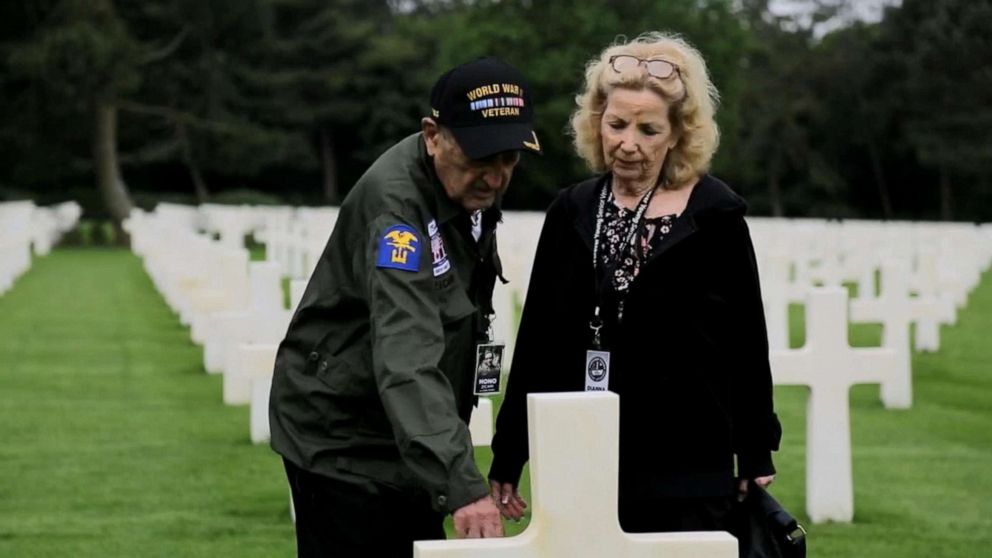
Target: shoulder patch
[399, 248]
[439, 259]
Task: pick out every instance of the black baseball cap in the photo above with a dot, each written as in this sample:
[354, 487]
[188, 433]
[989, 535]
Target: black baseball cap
[487, 106]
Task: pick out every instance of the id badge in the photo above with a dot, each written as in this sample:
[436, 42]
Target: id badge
[597, 370]
[488, 367]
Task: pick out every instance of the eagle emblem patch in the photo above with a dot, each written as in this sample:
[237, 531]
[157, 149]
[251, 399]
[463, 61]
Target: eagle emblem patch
[399, 248]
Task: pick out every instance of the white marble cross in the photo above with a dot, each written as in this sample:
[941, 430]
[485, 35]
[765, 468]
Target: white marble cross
[250, 350]
[259, 373]
[938, 307]
[776, 293]
[895, 310]
[480, 424]
[15, 259]
[574, 468]
[504, 325]
[829, 366]
[262, 320]
[15, 241]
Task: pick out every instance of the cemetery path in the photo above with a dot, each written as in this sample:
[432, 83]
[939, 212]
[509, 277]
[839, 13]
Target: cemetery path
[115, 441]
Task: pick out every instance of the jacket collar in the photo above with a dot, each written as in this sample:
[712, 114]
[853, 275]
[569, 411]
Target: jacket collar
[711, 199]
[445, 208]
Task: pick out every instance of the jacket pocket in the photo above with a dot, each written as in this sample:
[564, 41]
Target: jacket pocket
[347, 376]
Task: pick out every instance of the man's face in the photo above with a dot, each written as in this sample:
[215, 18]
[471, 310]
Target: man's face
[472, 183]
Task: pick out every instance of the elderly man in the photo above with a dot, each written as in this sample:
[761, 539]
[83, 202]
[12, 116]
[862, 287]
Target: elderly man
[374, 382]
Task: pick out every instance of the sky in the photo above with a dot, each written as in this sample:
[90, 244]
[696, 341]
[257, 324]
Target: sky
[865, 10]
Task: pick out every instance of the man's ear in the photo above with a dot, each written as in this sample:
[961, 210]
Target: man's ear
[431, 133]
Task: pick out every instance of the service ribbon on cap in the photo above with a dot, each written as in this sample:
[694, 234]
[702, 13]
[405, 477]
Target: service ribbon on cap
[492, 101]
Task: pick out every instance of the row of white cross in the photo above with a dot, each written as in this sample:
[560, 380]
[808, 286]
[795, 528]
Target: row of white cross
[924, 273]
[27, 228]
[938, 263]
[294, 237]
[235, 307]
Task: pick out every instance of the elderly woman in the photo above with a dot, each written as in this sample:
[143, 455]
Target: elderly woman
[645, 284]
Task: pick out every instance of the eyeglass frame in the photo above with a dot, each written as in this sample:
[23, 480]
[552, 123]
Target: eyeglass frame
[644, 61]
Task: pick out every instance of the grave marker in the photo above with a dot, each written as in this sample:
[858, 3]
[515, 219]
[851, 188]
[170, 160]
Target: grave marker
[573, 482]
[829, 367]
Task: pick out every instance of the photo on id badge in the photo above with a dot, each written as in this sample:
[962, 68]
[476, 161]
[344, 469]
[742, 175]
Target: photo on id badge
[488, 366]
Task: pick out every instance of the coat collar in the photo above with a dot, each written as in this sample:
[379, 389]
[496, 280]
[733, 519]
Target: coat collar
[711, 200]
[445, 208]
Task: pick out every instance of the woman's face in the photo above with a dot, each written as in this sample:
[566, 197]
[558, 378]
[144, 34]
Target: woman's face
[636, 134]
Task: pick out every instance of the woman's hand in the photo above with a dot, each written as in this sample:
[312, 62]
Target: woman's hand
[763, 482]
[508, 500]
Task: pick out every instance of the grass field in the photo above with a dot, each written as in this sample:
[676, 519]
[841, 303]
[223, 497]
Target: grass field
[115, 443]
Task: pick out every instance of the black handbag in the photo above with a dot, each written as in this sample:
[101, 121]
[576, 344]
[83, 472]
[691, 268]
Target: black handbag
[766, 529]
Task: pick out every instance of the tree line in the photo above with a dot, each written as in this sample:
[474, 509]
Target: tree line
[118, 103]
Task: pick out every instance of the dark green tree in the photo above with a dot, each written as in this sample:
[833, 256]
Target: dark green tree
[552, 40]
[197, 107]
[946, 58]
[306, 67]
[83, 57]
[853, 130]
[775, 107]
[32, 151]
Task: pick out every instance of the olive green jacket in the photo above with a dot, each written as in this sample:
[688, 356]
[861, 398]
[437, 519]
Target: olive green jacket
[374, 380]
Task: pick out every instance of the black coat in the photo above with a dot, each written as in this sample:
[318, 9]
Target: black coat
[689, 361]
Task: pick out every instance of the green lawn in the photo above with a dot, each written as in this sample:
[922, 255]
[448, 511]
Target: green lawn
[115, 441]
[117, 444]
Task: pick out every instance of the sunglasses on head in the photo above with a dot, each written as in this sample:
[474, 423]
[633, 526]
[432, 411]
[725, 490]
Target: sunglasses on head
[657, 67]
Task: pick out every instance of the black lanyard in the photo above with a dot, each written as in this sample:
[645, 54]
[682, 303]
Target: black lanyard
[596, 323]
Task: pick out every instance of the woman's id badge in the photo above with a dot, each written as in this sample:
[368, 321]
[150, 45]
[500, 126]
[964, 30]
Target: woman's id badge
[597, 370]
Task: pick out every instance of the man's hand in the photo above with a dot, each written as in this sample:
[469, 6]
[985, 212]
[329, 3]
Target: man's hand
[508, 500]
[478, 520]
[763, 482]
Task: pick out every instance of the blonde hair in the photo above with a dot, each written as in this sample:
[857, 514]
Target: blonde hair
[691, 96]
